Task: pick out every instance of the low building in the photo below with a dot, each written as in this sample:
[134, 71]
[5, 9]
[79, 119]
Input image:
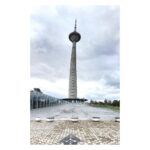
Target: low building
[38, 99]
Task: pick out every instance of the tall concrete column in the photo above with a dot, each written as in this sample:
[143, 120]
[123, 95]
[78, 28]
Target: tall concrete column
[73, 74]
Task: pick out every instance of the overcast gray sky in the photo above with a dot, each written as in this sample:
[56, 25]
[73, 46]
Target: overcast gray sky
[98, 69]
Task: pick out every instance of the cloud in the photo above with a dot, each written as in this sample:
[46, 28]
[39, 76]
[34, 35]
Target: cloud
[97, 51]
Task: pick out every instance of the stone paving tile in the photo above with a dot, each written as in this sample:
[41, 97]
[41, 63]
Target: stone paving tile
[103, 132]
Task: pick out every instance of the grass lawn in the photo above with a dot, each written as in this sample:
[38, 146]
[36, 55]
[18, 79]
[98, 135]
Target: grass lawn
[114, 108]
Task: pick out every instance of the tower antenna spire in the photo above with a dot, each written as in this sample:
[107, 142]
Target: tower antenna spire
[75, 27]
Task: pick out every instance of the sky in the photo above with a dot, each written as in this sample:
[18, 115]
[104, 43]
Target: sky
[98, 62]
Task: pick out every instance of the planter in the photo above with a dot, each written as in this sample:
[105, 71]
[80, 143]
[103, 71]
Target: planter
[96, 119]
[38, 119]
[50, 119]
[74, 119]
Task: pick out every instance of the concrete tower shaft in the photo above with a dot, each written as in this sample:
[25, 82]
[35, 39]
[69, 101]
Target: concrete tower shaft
[73, 74]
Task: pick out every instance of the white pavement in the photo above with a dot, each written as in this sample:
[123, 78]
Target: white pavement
[66, 111]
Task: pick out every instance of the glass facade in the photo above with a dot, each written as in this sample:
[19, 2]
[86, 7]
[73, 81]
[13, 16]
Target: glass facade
[39, 100]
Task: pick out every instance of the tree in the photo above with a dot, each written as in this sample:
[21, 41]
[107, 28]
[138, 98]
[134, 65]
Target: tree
[91, 102]
[105, 101]
[116, 103]
[109, 102]
[101, 103]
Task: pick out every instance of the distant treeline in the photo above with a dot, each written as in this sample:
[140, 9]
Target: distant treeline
[106, 102]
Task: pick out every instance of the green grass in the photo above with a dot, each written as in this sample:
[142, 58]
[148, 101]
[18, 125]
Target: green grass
[114, 108]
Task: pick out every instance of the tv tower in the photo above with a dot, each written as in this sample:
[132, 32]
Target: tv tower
[74, 37]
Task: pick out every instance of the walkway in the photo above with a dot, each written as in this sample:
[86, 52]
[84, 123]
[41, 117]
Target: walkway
[104, 132]
[66, 111]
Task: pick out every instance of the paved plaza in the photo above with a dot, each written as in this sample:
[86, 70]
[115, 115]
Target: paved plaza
[89, 132]
[68, 110]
